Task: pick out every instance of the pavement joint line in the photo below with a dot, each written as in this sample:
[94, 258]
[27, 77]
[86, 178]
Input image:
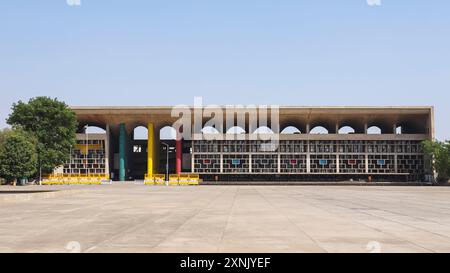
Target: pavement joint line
[389, 220]
[220, 246]
[392, 212]
[294, 224]
[315, 205]
[410, 226]
[190, 218]
[127, 230]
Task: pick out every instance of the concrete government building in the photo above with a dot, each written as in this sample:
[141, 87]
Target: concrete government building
[383, 143]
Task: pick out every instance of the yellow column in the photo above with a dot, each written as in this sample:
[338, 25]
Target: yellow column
[150, 150]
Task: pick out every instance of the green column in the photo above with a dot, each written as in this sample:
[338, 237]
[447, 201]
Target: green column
[122, 151]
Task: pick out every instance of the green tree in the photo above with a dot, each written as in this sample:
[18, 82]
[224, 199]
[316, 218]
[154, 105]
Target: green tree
[440, 154]
[2, 138]
[53, 124]
[3, 135]
[18, 157]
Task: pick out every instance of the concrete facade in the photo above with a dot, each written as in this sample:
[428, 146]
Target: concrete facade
[393, 154]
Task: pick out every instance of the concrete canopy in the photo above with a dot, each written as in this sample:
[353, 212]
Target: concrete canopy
[413, 120]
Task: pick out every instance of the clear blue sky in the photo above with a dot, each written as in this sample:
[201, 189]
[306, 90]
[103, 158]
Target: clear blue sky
[286, 52]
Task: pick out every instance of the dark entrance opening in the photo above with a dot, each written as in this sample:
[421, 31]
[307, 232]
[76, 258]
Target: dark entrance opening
[138, 153]
[163, 156]
[138, 159]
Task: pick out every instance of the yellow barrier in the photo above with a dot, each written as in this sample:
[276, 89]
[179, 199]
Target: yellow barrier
[78, 176]
[71, 183]
[149, 180]
[75, 179]
[174, 179]
[160, 179]
[194, 179]
[183, 179]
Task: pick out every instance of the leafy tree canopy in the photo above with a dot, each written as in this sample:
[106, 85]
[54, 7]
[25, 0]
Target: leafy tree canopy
[18, 157]
[3, 134]
[53, 124]
[440, 153]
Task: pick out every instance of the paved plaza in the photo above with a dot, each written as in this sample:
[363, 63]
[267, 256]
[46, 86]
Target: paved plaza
[138, 218]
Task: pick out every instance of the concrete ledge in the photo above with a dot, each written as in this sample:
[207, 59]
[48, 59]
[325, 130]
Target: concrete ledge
[312, 183]
[30, 195]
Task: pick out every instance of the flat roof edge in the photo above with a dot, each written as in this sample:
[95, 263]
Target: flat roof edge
[281, 107]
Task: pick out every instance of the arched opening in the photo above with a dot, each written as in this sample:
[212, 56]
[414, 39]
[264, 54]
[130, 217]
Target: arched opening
[291, 130]
[167, 150]
[87, 129]
[140, 133]
[374, 130]
[319, 130]
[345, 130]
[210, 130]
[411, 127]
[138, 154]
[263, 130]
[235, 130]
[167, 133]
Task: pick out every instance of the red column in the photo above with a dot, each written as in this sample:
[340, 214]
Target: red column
[178, 150]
